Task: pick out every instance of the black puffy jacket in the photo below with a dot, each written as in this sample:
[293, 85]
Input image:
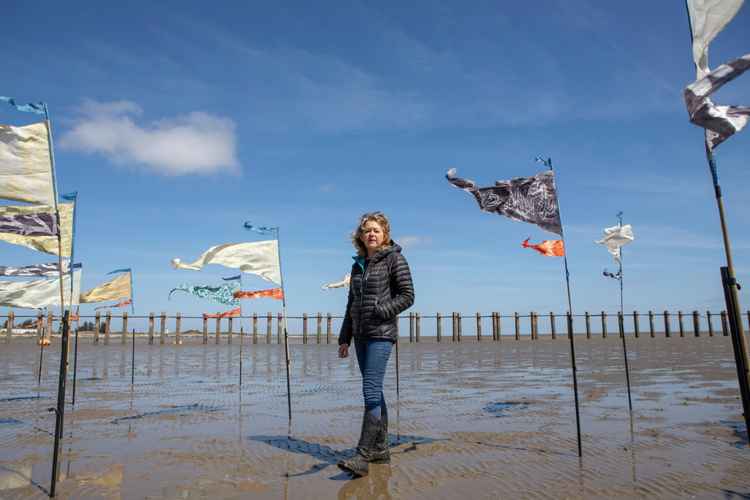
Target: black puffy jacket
[380, 290]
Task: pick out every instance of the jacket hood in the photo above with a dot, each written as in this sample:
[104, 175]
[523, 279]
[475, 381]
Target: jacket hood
[380, 254]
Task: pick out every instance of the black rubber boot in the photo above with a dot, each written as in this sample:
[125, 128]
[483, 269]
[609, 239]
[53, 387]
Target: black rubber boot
[381, 453]
[359, 465]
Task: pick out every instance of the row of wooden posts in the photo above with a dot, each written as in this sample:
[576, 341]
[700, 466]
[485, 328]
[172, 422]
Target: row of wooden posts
[415, 324]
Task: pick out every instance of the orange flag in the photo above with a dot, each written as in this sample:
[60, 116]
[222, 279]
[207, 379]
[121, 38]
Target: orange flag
[227, 314]
[274, 293]
[548, 248]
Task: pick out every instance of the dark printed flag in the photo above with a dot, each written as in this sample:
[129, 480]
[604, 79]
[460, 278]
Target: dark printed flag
[525, 199]
[28, 224]
[720, 122]
[51, 269]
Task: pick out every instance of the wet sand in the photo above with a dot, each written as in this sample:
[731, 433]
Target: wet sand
[474, 420]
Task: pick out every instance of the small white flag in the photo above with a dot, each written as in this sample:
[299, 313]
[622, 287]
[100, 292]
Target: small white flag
[616, 237]
[259, 257]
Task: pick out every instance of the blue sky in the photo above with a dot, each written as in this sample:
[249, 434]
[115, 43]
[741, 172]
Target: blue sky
[176, 122]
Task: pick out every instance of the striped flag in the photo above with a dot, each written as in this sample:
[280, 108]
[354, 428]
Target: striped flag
[273, 293]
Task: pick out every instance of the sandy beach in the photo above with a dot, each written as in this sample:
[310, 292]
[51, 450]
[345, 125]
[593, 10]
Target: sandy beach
[473, 420]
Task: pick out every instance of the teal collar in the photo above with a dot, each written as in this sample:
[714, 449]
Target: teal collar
[360, 260]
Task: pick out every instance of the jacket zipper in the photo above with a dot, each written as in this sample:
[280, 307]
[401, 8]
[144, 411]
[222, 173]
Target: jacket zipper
[362, 293]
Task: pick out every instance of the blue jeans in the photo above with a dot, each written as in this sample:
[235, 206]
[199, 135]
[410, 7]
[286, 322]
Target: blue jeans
[372, 357]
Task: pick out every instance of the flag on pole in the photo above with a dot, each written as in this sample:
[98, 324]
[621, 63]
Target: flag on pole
[234, 313]
[259, 257]
[223, 294]
[25, 164]
[720, 122]
[124, 303]
[233, 278]
[338, 284]
[123, 270]
[525, 199]
[273, 293]
[616, 237]
[51, 269]
[114, 289]
[27, 223]
[46, 244]
[38, 294]
[707, 19]
[33, 107]
[548, 248]
[259, 229]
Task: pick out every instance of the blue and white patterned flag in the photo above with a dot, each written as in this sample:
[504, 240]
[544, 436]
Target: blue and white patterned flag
[259, 229]
[33, 107]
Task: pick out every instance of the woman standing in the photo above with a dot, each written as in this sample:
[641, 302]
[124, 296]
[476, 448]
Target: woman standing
[380, 289]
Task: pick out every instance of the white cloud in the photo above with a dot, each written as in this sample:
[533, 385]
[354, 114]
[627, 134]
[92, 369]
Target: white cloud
[411, 241]
[195, 143]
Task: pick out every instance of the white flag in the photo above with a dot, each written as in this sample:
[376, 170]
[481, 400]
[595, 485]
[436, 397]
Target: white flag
[39, 293]
[259, 257]
[707, 19]
[25, 164]
[616, 237]
[338, 284]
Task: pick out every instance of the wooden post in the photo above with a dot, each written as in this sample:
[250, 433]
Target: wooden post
[279, 330]
[162, 328]
[178, 329]
[269, 327]
[479, 327]
[532, 324]
[651, 324]
[255, 328]
[438, 326]
[150, 328]
[329, 328]
[304, 328]
[517, 321]
[418, 326]
[97, 326]
[710, 324]
[411, 327]
[620, 324]
[230, 326]
[454, 327]
[748, 320]
[552, 329]
[217, 334]
[459, 320]
[667, 326]
[319, 328]
[50, 319]
[636, 326]
[604, 325]
[588, 324]
[724, 324]
[679, 322]
[9, 326]
[124, 331]
[205, 330]
[696, 324]
[499, 321]
[107, 324]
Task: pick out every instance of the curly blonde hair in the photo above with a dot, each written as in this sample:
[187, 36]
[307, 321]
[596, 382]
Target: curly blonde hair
[382, 221]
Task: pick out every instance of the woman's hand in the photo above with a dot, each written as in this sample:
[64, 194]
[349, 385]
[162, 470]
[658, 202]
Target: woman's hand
[344, 351]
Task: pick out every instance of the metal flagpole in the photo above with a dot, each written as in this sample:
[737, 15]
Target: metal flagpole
[729, 282]
[73, 197]
[57, 208]
[75, 357]
[286, 333]
[242, 336]
[548, 164]
[60, 410]
[621, 319]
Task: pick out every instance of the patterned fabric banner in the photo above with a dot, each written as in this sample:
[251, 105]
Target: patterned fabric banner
[616, 237]
[124, 303]
[525, 199]
[223, 294]
[38, 293]
[25, 164]
[233, 278]
[259, 229]
[24, 223]
[273, 293]
[234, 313]
[115, 289]
[707, 19]
[720, 122]
[46, 244]
[338, 284]
[258, 257]
[32, 107]
[548, 248]
[51, 269]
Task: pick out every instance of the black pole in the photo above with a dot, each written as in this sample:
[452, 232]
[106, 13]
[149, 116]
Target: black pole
[286, 333]
[622, 328]
[75, 367]
[41, 357]
[60, 410]
[132, 361]
[398, 389]
[740, 360]
[242, 336]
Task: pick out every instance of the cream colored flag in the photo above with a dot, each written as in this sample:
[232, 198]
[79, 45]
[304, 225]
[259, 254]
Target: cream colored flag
[46, 244]
[38, 293]
[115, 289]
[25, 164]
[707, 19]
[258, 257]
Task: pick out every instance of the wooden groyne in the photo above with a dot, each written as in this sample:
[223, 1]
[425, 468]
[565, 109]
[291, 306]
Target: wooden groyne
[319, 328]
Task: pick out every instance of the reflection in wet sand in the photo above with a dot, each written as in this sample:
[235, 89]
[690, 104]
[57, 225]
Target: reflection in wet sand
[472, 420]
